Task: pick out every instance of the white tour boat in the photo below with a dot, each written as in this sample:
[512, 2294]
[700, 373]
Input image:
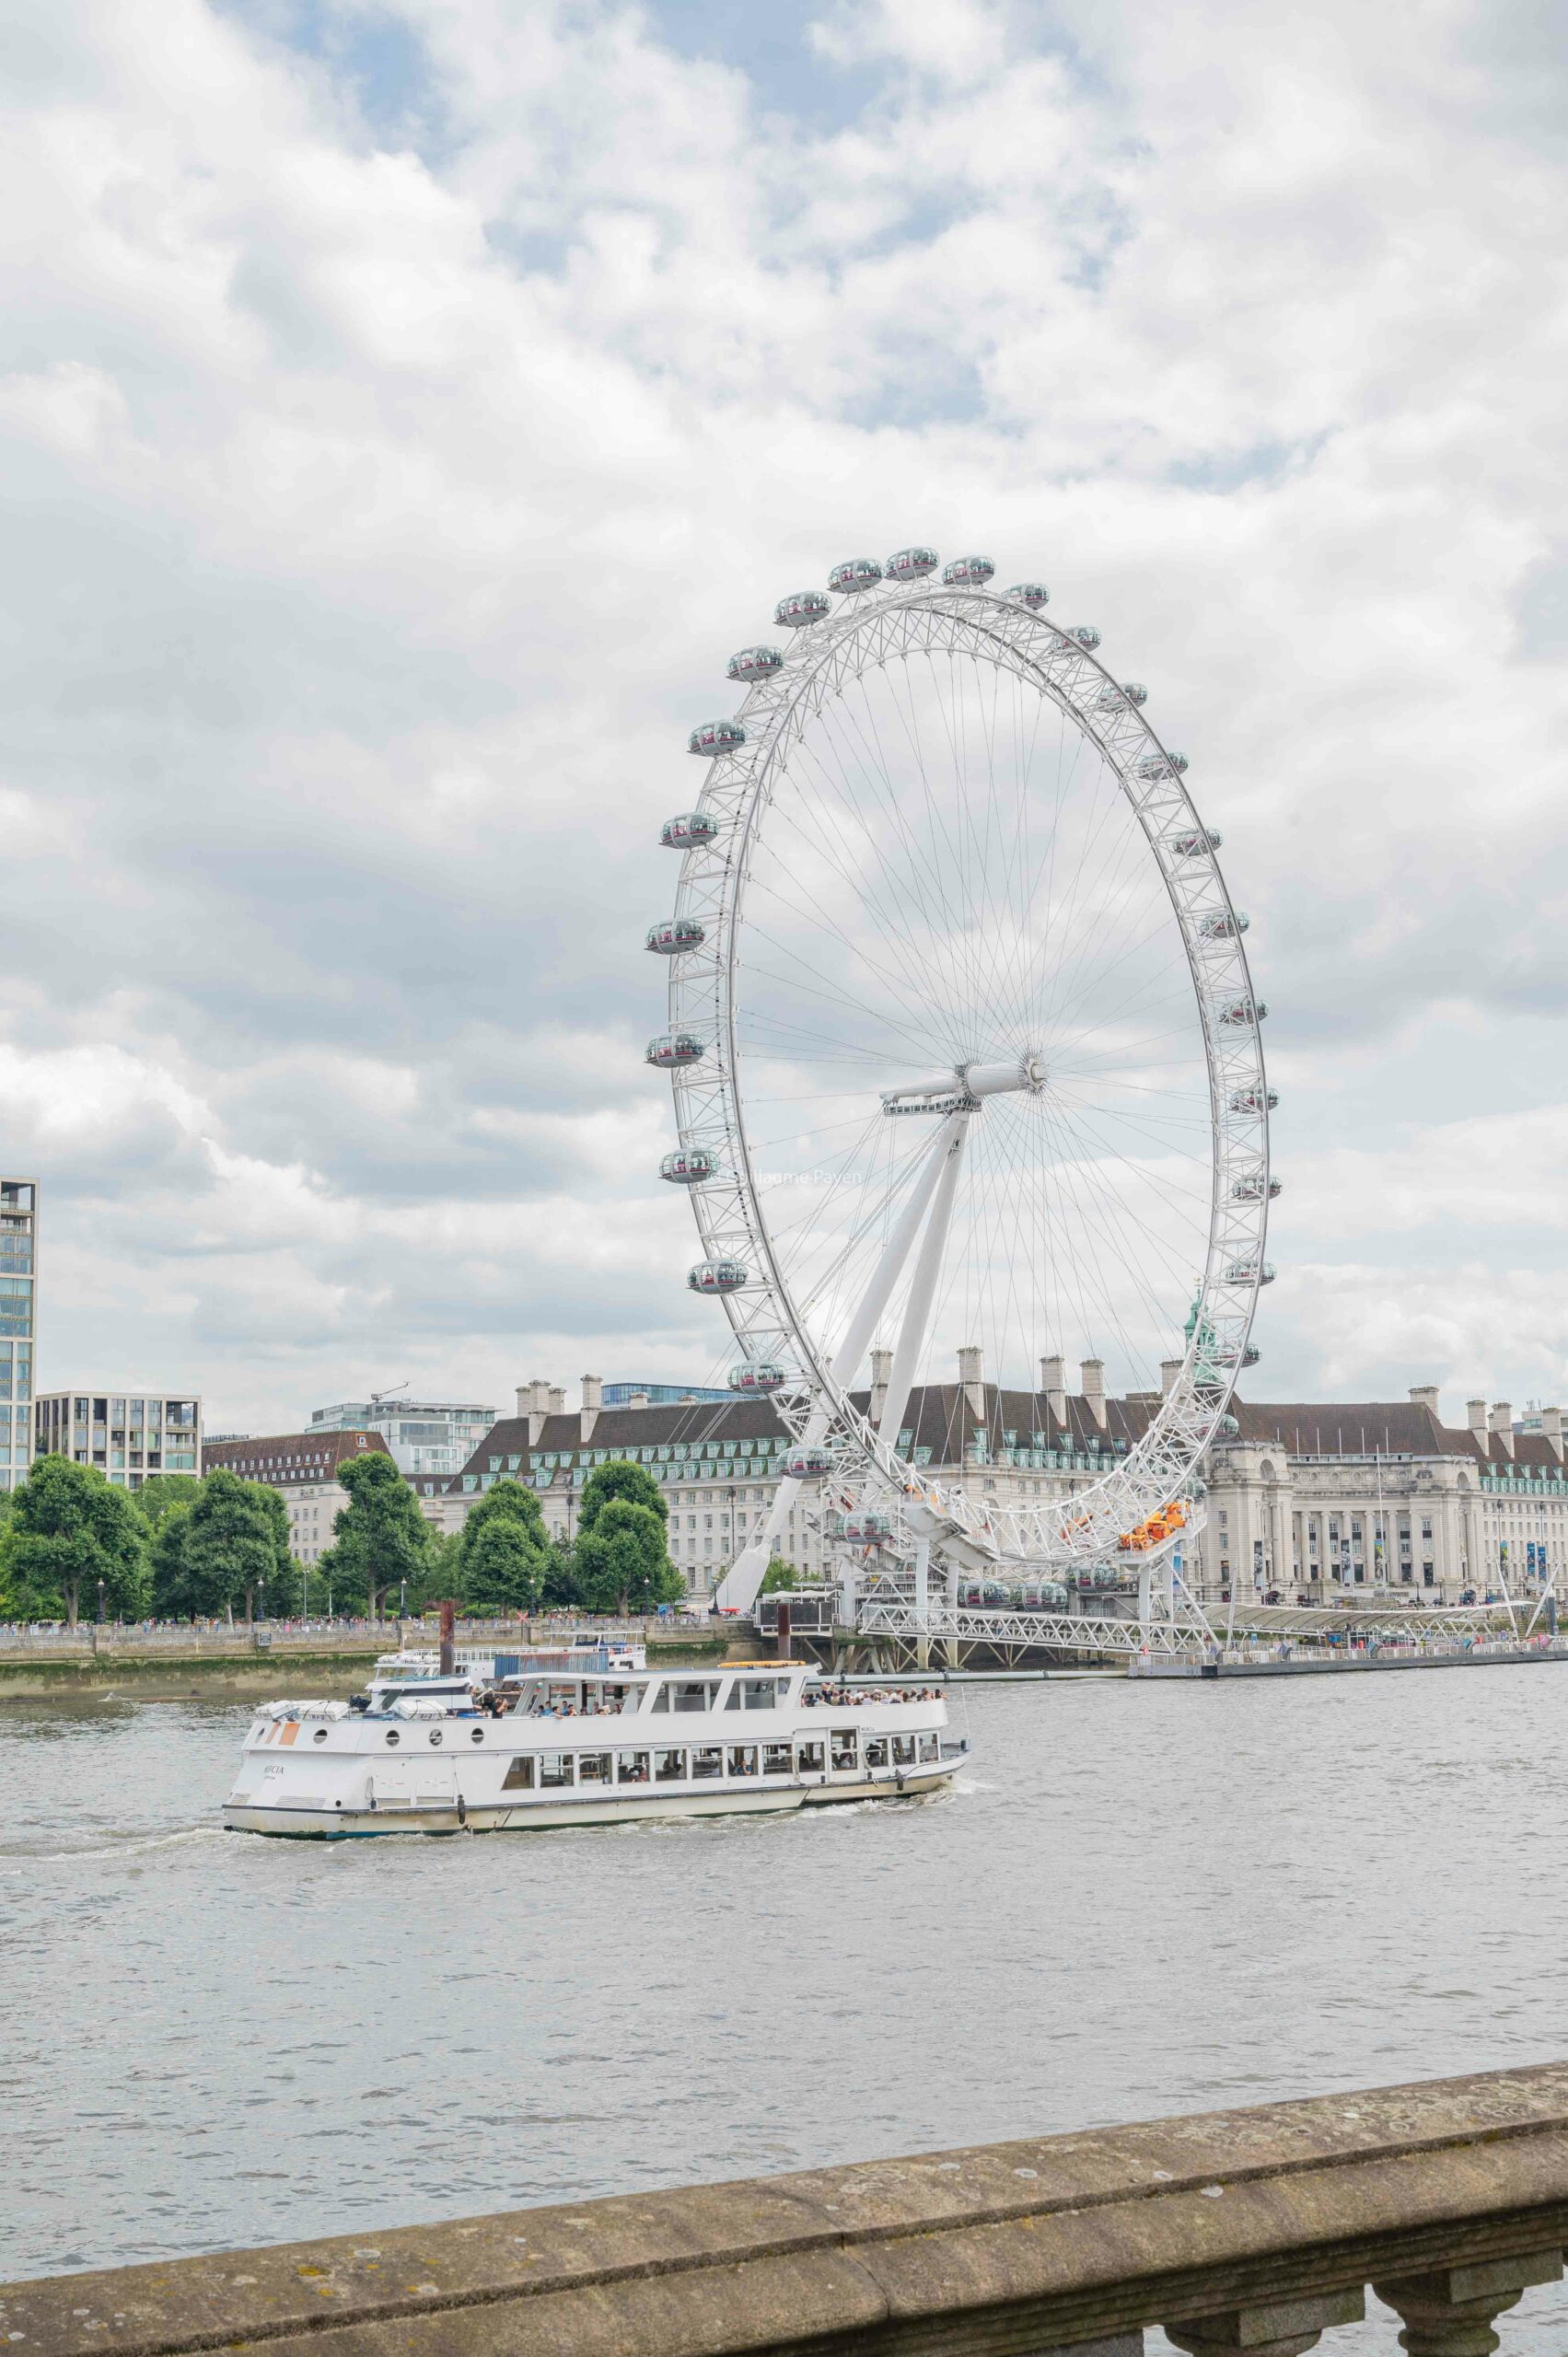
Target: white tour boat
[572, 1747]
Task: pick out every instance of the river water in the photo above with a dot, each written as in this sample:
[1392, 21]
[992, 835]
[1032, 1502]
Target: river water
[1143, 1898]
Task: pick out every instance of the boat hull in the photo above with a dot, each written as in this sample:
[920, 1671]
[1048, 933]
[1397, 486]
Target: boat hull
[301, 1822]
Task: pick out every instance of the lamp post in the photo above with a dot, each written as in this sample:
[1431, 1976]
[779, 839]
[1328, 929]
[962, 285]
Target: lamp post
[100, 1604]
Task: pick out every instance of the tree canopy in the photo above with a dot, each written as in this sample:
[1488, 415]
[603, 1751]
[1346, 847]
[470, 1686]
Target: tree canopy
[68, 1529]
[231, 1546]
[503, 1554]
[380, 1537]
[161, 1492]
[623, 1558]
[633, 1484]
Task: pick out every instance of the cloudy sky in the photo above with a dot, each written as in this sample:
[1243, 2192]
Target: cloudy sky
[406, 408]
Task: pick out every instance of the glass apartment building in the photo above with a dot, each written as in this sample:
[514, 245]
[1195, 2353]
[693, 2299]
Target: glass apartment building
[659, 1395]
[127, 1434]
[423, 1436]
[18, 1326]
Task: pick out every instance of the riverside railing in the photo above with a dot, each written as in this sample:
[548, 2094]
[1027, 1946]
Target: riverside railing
[1257, 2230]
[360, 1636]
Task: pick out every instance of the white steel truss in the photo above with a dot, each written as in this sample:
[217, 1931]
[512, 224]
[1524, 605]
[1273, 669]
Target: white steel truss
[866, 633]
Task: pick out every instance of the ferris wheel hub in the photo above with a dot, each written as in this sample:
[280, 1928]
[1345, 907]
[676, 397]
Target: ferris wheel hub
[962, 1087]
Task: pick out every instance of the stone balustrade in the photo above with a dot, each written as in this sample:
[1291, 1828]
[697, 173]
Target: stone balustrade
[1242, 2230]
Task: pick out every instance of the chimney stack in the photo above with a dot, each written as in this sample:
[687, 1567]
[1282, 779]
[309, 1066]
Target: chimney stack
[637, 1400]
[1475, 1416]
[881, 1371]
[1053, 1383]
[1552, 1425]
[534, 1404]
[972, 1376]
[1424, 1395]
[1502, 1423]
[1092, 1377]
[555, 1399]
[593, 1395]
[1170, 1370]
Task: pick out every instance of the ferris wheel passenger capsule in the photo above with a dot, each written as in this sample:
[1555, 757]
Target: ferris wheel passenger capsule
[865, 1529]
[674, 1049]
[967, 572]
[674, 936]
[1136, 691]
[857, 573]
[1251, 1272]
[688, 831]
[1234, 1354]
[1248, 1188]
[756, 1377]
[1228, 1428]
[1197, 842]
[718, 1276]
[1254, 1100]
[711, 737]
[912, 564]
[806, 1464]
[1243, 1014]
[1087, 635]
[754, 663]
[1032, 594]
[802, 608]
[1226, 925]
[689, 1166]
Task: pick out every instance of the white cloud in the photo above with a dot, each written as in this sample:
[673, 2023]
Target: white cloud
[392, 477]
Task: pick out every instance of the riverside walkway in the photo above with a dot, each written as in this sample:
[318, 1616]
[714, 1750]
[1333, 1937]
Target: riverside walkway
[1257, 2230]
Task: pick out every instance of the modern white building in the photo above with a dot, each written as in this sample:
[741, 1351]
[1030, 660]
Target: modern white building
[423, 1436]
[1326, 1502]
[18, 1325]
[127, 1434]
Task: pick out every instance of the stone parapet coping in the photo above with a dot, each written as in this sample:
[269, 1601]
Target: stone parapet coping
[1006, 2249]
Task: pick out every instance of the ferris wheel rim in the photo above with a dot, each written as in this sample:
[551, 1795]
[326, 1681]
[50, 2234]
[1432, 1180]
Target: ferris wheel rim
[743, 777]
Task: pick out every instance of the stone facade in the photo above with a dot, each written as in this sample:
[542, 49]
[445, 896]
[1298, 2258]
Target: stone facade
[1310, 1500]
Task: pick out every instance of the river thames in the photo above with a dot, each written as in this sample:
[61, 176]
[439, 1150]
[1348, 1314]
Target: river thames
[1142, 1899]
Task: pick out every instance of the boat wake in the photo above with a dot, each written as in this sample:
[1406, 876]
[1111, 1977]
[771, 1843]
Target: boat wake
[18, 1858]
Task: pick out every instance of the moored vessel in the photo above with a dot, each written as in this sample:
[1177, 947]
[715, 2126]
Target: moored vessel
[568, 1746]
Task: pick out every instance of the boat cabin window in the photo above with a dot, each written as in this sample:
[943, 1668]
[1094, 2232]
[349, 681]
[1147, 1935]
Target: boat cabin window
[756, 1693]
[743, 1759]
[555, 1767]
[809, 1758]
[845, 1747]
[930, 1746]
[903, 1751]
[690, 1693]
[593, 1768]
[632, 1768]
[876, 1750]
[670, 1767]
[707, 1759]
[776, 1760]
[520, 1774]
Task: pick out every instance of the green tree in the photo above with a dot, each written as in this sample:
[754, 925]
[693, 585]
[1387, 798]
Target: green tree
[161, 1492]
[564, 1589]
[69, 1529]
[633, 1484]
[171, 1599]
[380, 1537]
[233, 1547]
[623, 1561]
[778, 1575]
[504, 1551]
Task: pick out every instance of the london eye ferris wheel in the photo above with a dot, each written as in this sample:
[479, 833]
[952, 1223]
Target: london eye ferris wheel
[966, 1056]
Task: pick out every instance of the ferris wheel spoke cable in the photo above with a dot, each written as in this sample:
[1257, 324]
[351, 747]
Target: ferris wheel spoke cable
[1133, 1247]
[905, 951]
